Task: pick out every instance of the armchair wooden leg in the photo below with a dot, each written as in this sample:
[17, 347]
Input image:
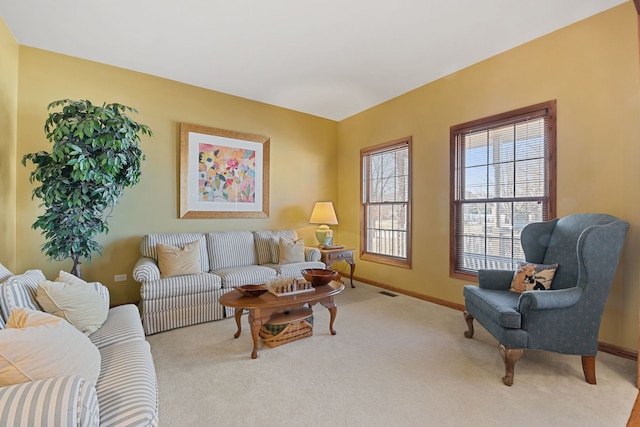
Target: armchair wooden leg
[589, 368]
[469, 319]
[509, 356]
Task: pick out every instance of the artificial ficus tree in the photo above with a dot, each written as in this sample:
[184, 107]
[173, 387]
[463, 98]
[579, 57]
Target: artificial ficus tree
[96, 154]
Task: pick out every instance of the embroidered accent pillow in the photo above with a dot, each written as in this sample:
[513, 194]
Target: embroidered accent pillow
[532, 277]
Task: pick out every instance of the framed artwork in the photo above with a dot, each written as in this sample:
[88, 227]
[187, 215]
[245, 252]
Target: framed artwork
[223, 174]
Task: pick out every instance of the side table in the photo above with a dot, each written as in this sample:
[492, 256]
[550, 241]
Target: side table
[329, 256]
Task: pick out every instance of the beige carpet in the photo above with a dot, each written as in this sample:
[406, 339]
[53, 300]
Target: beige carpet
[395, 361]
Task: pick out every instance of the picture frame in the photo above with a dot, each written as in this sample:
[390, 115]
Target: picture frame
[223, 173]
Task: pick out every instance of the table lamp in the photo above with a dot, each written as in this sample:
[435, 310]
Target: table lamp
[324, 214]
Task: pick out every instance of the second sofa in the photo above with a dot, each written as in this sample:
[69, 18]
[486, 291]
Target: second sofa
[227, 259]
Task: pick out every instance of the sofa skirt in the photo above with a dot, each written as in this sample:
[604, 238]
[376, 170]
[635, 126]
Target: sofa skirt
[164, 314]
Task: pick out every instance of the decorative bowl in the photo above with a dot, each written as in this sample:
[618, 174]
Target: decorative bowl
[319, 276]
[252, 290]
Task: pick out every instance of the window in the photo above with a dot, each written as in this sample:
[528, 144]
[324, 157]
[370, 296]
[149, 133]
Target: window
[386, 203]
[503, 176]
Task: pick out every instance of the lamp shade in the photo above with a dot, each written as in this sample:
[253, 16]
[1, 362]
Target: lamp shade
[323, 213]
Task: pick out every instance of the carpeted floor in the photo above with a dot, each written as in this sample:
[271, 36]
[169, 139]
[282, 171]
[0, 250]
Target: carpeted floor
[395, 361]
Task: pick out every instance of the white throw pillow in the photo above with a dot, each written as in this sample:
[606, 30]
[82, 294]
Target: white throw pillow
[38, 346]
[290, 251]
[69, 278]
[79, 304]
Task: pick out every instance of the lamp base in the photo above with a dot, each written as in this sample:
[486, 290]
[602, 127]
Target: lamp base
[324, 235]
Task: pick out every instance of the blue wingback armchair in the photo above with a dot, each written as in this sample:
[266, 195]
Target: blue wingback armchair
[566, 318]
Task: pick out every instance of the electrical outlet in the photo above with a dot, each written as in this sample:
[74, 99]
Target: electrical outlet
[120, 277]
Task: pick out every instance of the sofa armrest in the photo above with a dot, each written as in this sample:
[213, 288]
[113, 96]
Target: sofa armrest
[546, 300]
[495, 279]
[311, 253]
[59, 401]
[146, 270]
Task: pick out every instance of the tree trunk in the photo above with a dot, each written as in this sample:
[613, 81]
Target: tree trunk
[75, 270]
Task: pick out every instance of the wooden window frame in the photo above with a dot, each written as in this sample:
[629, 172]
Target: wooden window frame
[491, 122]
[365, 254]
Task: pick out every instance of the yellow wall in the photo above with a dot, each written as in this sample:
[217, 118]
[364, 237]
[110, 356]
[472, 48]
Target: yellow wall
[302, 151]
[591, 69]
[8, 132]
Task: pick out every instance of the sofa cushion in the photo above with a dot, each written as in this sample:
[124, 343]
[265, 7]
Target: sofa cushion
[532, 277]
[127, 390]
[499, 305]
[78, 304]
[179, 260]
[149, 243]
[294, 269]
[20, 291]
[247, 275]
[180, 285]
[230, 249]
[37, 345]
[122, 325]
[266, 242]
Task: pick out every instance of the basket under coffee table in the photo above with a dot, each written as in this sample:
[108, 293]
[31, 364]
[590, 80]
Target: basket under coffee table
[287, 327]
[266, 305]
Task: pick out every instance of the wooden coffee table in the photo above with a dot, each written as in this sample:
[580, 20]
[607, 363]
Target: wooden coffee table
[263, 307]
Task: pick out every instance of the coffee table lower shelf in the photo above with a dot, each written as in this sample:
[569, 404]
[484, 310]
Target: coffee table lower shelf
[269, 309]
[283, 328]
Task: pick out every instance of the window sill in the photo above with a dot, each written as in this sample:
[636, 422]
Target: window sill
[387, 260]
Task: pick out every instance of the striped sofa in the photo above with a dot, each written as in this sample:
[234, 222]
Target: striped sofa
[125, 394]
[228, 259]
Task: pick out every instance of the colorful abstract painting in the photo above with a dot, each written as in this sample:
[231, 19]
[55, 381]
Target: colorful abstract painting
[223, 173]
[226, 174]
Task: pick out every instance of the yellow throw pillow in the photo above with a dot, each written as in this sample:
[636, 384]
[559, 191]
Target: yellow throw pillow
[79, 304]
[37, 346]
[532, 277]
[174, 261]
[290, 251]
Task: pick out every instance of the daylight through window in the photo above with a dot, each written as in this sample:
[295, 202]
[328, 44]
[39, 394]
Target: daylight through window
[386, 203]
[503, 177]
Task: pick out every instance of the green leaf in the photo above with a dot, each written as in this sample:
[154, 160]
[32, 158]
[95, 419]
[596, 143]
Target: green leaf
[95, 155]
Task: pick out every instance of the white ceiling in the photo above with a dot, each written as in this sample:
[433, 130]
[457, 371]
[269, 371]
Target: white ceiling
[329, 58]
